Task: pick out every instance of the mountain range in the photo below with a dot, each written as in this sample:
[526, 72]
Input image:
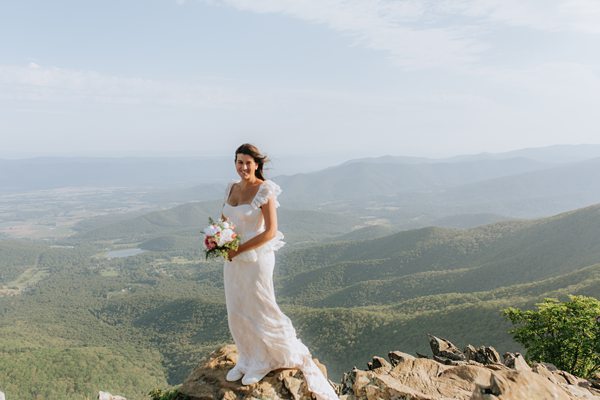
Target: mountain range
[359, 275]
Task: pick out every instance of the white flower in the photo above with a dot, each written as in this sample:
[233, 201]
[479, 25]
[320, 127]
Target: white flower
[225, 237]
[226, 225]
[211, 230]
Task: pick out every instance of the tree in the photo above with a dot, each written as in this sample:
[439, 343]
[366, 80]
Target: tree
[566, 334]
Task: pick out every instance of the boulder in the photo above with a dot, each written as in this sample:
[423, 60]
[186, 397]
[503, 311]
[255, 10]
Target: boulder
[379, 362]
[403, 377]
[516, 361]
[478, 376]
[425, 379]
[443, 348]
[511, 384]
[595, 380]
[397, 357]
[483, 355]
[208, 381]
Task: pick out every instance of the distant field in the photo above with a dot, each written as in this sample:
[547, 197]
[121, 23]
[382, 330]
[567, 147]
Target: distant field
[29, 277]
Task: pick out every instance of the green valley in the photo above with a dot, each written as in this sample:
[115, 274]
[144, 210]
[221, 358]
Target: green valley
[128, 325]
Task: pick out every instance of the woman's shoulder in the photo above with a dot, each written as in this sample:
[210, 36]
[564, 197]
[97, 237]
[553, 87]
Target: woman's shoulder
[267, 189]
[271, 187]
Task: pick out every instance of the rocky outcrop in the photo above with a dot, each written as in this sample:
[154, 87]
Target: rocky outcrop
[477, 373]
[472, 374]
[208, 382]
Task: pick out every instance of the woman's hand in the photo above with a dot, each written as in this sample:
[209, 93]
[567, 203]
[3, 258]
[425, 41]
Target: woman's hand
[231, 254]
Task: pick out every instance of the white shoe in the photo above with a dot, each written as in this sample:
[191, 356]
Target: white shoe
[234, 374]
[253, 377]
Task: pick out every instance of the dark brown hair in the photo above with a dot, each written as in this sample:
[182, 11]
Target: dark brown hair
[252, 151]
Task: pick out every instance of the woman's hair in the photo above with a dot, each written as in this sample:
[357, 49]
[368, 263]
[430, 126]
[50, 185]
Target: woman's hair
[251, 150]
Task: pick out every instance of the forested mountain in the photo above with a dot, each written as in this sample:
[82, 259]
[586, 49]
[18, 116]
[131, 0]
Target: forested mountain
[438, 191]
[535, 193]
[155, 314]
[552, 154]
[368, 179]
[434, 260]
[174, 173]
[380, 251]
[189, 219]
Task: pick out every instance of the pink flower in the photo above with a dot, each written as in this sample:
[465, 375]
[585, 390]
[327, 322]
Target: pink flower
[210, 242]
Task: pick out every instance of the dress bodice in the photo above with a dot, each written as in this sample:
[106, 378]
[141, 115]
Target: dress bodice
[248, 219]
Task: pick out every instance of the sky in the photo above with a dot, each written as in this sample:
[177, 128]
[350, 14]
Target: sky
[342, 77]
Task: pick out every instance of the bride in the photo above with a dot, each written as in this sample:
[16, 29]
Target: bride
[263, 334]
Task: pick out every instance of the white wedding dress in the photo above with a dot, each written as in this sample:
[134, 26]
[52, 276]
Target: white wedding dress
[263, 334]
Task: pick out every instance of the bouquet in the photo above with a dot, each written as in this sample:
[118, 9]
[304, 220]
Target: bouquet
[219, 238]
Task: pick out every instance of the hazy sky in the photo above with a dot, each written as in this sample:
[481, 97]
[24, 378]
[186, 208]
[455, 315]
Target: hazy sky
[353, 77]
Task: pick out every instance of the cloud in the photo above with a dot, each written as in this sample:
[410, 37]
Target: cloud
[543, 15]
[381, 25]
[51, 84]
[431, 33]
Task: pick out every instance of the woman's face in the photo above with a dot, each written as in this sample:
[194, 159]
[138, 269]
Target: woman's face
[245, 166]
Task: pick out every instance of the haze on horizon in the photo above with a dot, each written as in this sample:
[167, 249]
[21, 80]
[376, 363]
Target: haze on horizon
[351, 78]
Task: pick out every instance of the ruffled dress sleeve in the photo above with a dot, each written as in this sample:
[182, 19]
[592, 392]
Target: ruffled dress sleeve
[269, 190]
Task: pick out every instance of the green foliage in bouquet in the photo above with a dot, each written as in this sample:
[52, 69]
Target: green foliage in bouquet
[566, 334]
[159, 394]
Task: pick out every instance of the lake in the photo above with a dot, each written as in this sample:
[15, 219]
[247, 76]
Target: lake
[124, 253]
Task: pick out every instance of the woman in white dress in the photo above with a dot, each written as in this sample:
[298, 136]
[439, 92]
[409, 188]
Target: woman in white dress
[263, 334]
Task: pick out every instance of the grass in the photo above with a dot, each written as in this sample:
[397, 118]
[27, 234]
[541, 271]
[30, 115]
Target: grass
[27, 278]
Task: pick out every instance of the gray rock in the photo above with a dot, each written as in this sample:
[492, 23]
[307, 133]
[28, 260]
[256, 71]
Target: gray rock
[397, 357]
[445, 349]
[347, 382]
[379, 362]
[447, 361]
[516, 361]
[483, 354]
[549, 366]
[595, 381]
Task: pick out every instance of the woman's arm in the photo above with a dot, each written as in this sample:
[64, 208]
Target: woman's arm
[269, 213]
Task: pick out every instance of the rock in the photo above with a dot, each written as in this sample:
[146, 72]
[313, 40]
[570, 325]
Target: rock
[470, 352]
[511, 384]
[483, 355]
[379, 362]
[542, 370]
[397, 357]
[2, 397]
[108, 396]
[448, 361]
[414, 378]
[403, 377]
[551, 367]
[594, 380]
[208, 381]
[445, 349]
[516, 361]
[348, 381]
